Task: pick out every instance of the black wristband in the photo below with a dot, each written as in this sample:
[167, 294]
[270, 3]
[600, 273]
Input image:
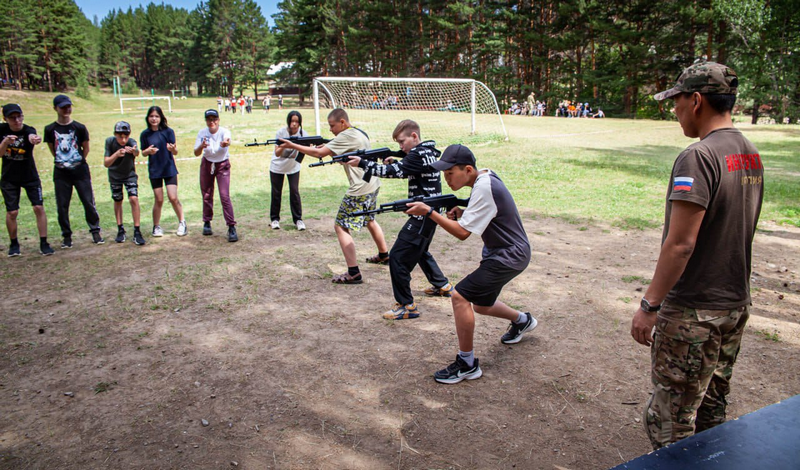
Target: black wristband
[430, 211]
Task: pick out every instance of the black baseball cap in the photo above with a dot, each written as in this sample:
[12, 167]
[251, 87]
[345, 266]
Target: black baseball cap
[122, 127]
[61, 100]
[211, 113]
[454, 155]
[10, 109]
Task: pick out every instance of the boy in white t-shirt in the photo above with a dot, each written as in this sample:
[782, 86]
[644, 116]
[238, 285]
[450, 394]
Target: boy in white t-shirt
[213, 143]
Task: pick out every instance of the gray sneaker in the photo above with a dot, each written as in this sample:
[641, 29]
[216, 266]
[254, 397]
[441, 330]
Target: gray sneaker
[182, 228]
[300, 225]
[158, 231]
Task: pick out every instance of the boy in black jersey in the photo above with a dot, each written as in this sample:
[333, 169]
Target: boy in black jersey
[19, 171]
[414, 239]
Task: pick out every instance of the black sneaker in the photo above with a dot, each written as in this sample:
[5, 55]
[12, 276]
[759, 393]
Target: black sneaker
[97, 239]
[515, 332]
[232, 236]
[13, 250]
[45, 249]
[66, 243]
[207, 229]
[138, 238]
[121, 237]
[458, 371]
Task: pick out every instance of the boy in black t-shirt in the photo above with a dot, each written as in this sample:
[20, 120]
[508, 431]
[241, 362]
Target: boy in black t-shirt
[119, 158]
[19, 171]
[69, 143]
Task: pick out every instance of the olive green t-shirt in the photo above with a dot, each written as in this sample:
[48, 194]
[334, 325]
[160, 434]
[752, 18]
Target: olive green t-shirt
[350, 140]
[722, 173]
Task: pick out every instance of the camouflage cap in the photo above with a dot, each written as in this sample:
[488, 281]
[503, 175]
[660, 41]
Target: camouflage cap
[705, 77]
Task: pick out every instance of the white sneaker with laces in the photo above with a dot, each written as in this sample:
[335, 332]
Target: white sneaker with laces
[275, 225]
[182, 228]
[300, 225]
[158, 231]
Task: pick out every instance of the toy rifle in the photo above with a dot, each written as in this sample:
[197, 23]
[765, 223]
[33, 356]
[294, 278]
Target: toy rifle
[307, 140]
[371, 155]
[447, 201]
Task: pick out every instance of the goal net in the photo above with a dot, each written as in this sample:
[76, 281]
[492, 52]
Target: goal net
[448, 110]
[143, 102]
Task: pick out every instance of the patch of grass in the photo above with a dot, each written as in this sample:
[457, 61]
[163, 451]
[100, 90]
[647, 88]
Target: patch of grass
[627, 300]
[104, 387]
[769, 336]
[640, 279]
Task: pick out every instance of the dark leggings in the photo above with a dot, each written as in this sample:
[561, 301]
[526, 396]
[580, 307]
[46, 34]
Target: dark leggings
[294, 196]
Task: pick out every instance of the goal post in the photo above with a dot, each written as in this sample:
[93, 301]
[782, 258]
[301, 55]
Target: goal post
[145, 98]
[448, 110]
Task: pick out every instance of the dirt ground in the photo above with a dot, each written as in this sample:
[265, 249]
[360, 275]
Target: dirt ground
[196, 353]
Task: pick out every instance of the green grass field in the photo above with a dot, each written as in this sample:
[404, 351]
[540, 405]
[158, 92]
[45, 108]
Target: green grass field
[608, 171]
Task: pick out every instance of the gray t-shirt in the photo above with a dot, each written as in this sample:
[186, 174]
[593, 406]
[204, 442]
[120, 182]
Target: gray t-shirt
[124, 167]
[286, 163]
[493, 215]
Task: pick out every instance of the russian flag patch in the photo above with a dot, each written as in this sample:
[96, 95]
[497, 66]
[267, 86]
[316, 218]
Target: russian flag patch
[682, 183]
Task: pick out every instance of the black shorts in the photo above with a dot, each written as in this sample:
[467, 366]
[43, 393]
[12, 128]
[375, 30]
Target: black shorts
[156, 183]
[11, 192]
[131, 186]
[483, 286]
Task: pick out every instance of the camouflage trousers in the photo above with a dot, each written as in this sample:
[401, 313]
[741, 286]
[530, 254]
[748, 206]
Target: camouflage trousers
[692, 361]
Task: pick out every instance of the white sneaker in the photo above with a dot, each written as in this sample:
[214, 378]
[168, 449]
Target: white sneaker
[157, 231]
[181, 228]
[275, 225]
[300, 225]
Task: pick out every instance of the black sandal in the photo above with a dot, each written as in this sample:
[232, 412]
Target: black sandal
[346, 278]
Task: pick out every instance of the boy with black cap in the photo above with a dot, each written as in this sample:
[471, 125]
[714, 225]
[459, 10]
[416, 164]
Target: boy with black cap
[69, 143]
[213, 143]
[493, 215]
[699, 299]
[119, 158]
[19, 171]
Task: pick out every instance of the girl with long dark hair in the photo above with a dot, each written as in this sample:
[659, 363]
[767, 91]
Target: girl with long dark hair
[158, 143]
[285, 163]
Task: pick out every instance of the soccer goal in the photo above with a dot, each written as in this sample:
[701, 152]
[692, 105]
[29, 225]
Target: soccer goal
[142, 100]
[448, 110]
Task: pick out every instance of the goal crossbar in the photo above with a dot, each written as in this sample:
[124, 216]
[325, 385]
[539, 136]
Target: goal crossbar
[145, 98]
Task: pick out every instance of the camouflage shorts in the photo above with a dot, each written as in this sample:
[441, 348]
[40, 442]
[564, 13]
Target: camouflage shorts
[692, 360]
[351, 204]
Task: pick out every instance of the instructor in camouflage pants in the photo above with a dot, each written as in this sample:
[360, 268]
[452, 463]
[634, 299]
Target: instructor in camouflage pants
[699, 298]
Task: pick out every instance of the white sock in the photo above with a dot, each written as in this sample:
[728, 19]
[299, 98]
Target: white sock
[521, 318]
[468, 357]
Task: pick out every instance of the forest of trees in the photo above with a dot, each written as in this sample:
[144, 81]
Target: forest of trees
[612, 53]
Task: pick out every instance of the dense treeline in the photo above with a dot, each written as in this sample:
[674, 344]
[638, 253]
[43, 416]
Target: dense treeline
[612, 53]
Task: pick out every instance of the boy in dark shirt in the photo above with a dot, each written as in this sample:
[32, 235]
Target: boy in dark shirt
[69, 143]
[119, 158]
[19, 171]
[493, 215]
[414, 239]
